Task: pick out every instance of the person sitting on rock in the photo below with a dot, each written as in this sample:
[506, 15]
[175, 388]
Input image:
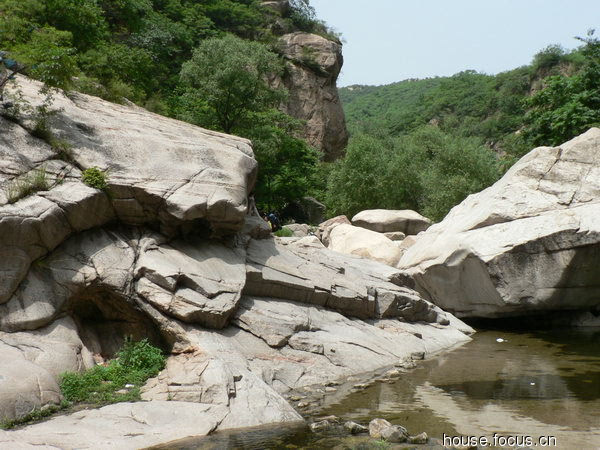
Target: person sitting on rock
[274, 221]
[8, 69]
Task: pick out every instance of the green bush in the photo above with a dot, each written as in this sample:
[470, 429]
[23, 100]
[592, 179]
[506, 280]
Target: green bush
[134, 364]
[95, 178]
[284, 232]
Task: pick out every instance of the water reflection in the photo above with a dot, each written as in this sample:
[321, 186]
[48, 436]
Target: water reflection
[532, 383]
[535, 384]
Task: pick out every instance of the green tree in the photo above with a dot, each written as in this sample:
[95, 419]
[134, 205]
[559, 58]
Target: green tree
[229, 75]
[427, 170]
[225, 87]
[287, 165]
[567, 106]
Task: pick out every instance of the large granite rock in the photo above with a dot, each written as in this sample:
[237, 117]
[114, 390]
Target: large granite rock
[528, 244]
[366, 243]
[160, 171]
[353, 286]
[123, 426]
[314, 64]
[32, 363]
[386, 220]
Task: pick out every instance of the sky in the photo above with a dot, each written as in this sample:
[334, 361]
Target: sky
[392, 40]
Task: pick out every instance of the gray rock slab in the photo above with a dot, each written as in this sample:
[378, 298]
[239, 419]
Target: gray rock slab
[528, 244]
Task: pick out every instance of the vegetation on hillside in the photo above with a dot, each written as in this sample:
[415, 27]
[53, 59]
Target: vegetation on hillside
[427, 144]
[200, 61]
[421, 144]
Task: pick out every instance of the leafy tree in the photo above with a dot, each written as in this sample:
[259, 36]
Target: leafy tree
[567, 106]
[225, 87]
[230, 75]
[84, 19]
[427, 170]
[48, 55]
[287, 165]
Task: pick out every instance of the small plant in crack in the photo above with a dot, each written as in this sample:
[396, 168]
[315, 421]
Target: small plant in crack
[34, 181]
[95, 178]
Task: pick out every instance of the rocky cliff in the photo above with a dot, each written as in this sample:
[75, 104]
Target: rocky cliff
[313, 65]
[529, 244]
[167, 252]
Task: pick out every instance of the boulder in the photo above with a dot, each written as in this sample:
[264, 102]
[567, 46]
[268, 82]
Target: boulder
[37, 359]
[298, 229]
[365, 243]
[160, 171]
[325, 227]
[394, 434]
[376, 426]
[526, 245]
[385, 220]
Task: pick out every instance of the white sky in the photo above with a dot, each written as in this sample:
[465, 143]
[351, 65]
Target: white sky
[391, 40]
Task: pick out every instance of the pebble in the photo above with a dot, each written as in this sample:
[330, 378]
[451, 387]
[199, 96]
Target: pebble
[355, 428]
[296, 398]
[330, 389]
[420, 438]
[303, 404]
[322, 425]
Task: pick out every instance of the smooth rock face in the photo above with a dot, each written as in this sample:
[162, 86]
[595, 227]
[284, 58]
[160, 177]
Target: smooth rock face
[386, 220]
[528, 244]
[365, 243]
[159, 170]
[314, 64]
[122, 425]
[32, 362]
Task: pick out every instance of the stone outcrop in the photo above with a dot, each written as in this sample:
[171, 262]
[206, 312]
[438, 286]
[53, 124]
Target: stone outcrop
[168, 253]
[313, 65]
[528, 244]
[386, 220]
[366, 243]
[161, 172]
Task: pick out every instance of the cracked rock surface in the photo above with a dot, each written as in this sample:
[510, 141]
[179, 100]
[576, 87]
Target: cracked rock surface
[528, 244]
[167, 253]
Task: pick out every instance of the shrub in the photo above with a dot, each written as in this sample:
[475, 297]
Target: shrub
[134, 364]
[284, 232]
[95, 178]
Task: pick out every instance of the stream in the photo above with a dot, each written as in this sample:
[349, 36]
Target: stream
[538, 384]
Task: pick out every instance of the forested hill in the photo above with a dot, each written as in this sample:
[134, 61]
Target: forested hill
[427, 144]
[469, 103]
